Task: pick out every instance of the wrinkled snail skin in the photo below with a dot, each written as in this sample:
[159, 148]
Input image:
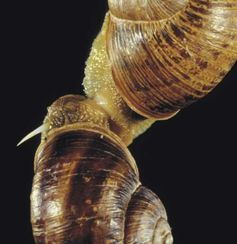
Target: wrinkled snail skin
[151, 59]
[174, 52]
[86, 189]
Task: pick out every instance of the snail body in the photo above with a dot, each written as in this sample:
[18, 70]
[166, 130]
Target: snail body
[151, 59]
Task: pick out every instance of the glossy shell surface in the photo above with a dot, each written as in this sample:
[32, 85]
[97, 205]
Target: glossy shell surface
[86, 189]
[167, 54]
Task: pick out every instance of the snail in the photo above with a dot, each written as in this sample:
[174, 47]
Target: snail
[150, 60]
[86, 187]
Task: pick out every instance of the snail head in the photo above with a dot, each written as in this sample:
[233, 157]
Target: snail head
[73, 110]
[70, 110]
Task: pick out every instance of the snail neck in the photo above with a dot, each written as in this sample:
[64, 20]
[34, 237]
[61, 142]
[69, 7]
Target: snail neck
[99, 86]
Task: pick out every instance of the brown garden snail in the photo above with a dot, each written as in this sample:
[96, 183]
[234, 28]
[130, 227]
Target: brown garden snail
[86, 187]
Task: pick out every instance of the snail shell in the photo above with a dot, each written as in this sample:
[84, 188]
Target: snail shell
[86, 189]
[167, 54]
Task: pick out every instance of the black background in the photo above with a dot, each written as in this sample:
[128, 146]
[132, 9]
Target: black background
[189, 161]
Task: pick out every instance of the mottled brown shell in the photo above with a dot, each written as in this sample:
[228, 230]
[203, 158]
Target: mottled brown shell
[86, 189]
[167, 54]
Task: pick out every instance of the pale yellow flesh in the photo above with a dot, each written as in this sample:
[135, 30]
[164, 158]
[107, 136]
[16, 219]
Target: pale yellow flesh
[99, 86]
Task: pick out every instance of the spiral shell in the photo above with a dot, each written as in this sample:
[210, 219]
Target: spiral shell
[86, 189]
[167, 54]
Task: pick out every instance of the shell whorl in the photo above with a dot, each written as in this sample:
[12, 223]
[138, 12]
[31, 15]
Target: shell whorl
[145, 10]
[165, 58]
[86, 189]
